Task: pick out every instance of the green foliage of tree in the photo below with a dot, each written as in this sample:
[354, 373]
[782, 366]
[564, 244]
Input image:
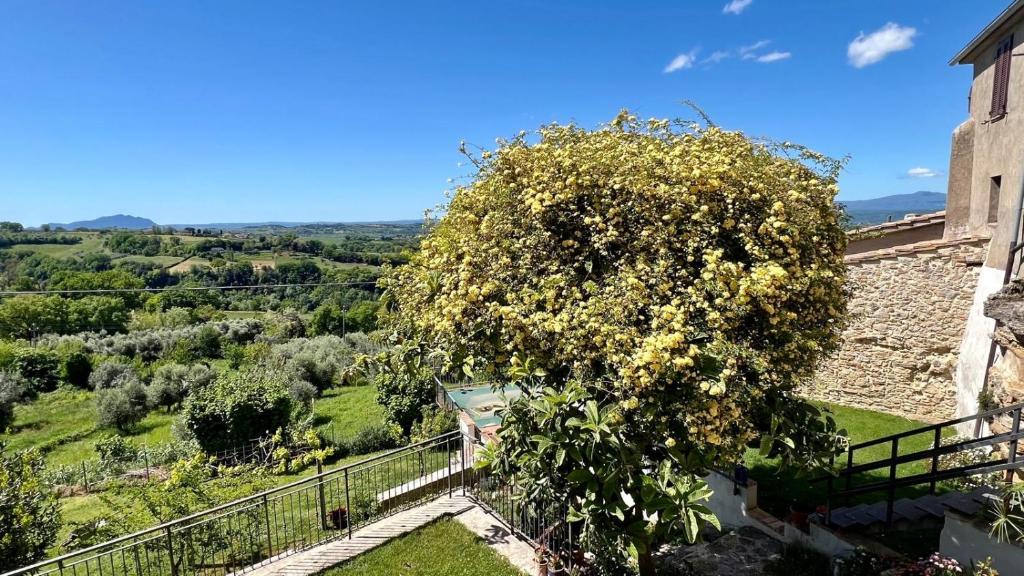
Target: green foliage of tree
[122, 407]
[238, 407]
[362, 316]
[12, 390]
[31, 316]
[75, 363]
[112, 374]
[405, 384]
[29, 512]
[656, 289]
[328, 318]
[39, 367]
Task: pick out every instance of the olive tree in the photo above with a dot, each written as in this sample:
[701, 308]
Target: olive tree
[658, 289]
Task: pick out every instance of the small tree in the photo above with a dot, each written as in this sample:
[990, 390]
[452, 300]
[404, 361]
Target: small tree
[112, 374]
[29, 512]
[238, 407]
[328, 318]
[168, 387]
[122, 407]
[657, 290]
[39, 367]
[12, 390]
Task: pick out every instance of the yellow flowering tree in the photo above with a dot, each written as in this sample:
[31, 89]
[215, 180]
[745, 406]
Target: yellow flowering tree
[658, 289]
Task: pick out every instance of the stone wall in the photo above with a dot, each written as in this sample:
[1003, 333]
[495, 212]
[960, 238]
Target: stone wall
[908, 309]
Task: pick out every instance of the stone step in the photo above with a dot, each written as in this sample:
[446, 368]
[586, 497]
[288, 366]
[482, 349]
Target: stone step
[908, 512]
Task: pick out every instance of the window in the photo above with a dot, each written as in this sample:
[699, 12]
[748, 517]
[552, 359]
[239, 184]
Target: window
[1001, 80]
[994, 188]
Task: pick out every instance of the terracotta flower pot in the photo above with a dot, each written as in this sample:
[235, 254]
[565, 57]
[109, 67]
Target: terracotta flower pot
[542, 568]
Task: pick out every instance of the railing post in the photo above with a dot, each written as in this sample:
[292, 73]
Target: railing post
[1011, 458]
[462, 463]
[270, 539]
[320, 489]
[829, 489]
[448, 450]
[170, 551]
[935, 459]
[892, 482]
[348, 507]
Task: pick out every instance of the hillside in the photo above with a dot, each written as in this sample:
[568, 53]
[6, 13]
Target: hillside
[123, 221]
[894, 207]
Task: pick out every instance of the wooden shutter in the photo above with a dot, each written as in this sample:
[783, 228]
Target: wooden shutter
[1001, 81]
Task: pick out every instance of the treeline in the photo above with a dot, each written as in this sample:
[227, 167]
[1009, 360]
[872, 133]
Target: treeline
[355, 251]
[8, 239]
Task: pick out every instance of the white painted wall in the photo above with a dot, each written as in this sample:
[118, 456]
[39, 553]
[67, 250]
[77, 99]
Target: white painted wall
[972, 361]
[967, 543]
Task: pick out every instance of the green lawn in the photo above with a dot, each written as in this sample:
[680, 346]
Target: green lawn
[777, 489]
[445, 548]
[349, 409]
[63, 425]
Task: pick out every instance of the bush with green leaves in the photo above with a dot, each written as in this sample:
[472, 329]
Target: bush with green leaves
[172, 382]
[303, 394]
[372, 439]
[405, 385]
[116, 452]
[238, 407]
[433, 422]
[112, 374]
[12, 390]
[39, 367]
[321, 361]
[75, 363]
[29, 512]
[122, 407]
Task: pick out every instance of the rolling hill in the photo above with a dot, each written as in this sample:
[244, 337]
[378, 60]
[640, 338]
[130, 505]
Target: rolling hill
[123, 221]
[894, 207]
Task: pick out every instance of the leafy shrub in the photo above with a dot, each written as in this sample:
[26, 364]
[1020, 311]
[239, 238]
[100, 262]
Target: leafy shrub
[75, 364]
[116, 452]
[39, 367]
[237, 407]
[302, 393]
[29, 512]
[12, 390]
[122, 407]
[372, 439]
[403, 394]
[169, 385]
[112, 374]
[433, 422]
[967, 458]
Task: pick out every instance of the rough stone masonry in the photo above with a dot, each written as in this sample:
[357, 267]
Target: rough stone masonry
[908, 306]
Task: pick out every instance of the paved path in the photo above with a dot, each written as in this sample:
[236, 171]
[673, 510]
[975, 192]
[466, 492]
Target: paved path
[363, 540]
[517, 551]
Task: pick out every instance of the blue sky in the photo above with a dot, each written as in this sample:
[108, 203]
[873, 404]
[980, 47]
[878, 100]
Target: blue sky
[243, 111]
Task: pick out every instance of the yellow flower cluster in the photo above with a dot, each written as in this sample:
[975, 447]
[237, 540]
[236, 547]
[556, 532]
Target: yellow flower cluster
[693, 267]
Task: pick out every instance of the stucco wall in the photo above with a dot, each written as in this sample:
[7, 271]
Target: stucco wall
[908, 314]
[998, 143]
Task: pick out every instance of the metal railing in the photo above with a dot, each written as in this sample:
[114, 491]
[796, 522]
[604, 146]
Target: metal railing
[541, 523]
[893, 481]
[249, 532]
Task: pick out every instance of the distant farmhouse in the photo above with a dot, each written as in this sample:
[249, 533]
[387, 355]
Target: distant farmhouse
[919, 344]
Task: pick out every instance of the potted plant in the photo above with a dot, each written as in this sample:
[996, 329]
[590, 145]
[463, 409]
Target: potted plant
[541, 557]
[798, 515]
[556, 568]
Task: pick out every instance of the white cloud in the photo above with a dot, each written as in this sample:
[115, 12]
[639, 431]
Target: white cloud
[736, 6]
[868, 49]
[922, 173]
[774, 56]
[747, 52]
[716, 57]
[682, 61]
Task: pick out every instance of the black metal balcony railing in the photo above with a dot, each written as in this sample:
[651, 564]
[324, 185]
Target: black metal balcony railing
[890, 467]
[249, 532]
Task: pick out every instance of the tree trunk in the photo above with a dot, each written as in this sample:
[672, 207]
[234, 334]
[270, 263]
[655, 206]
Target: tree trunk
[645, 564]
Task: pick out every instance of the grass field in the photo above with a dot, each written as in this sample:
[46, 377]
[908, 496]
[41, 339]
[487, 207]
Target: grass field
[777, 489]
[445, 548]
[164, 261]
[63, 423]
[91, 242]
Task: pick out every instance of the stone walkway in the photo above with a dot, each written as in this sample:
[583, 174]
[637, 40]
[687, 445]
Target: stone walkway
[517, 551]
[363, 540]
[309, 562]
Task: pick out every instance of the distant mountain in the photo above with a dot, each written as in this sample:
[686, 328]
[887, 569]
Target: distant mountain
[894, 207]
[123, 221]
